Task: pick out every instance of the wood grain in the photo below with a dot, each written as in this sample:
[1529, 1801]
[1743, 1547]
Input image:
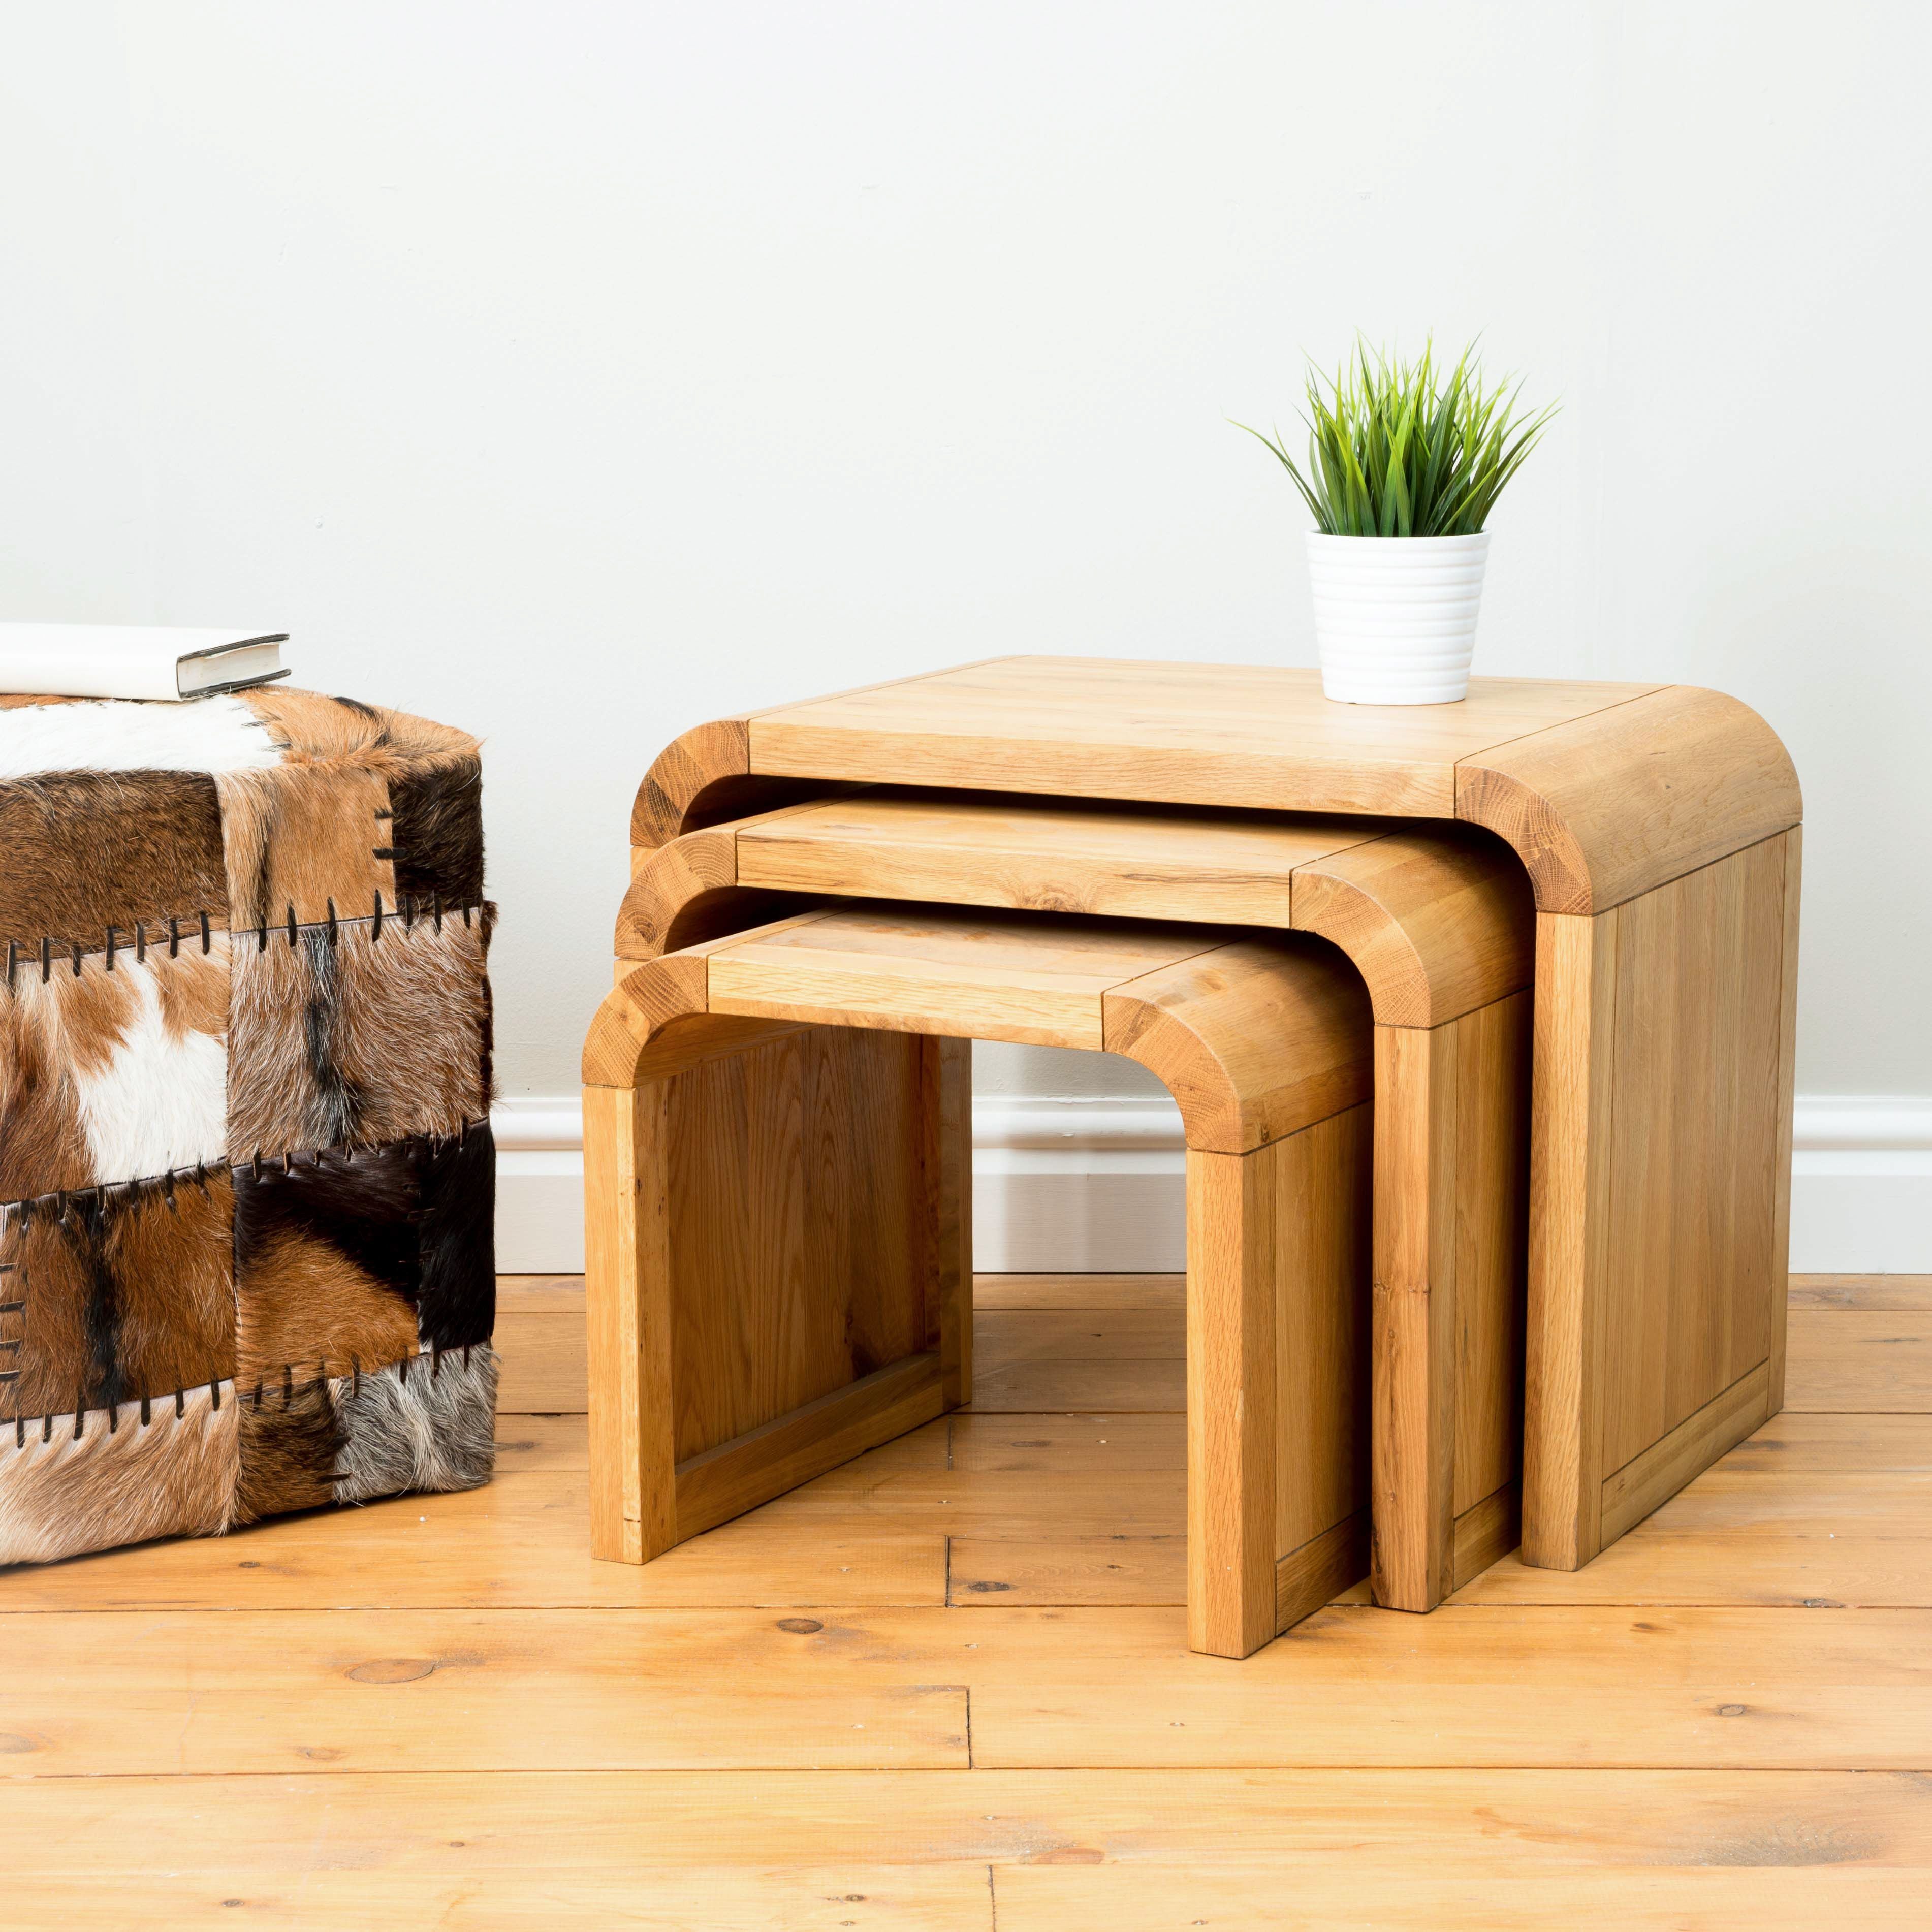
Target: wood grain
[1260, 736]
[1604, 808]
[1868, 1360]
[817, 1276]
[522, 1542]
[751, 1467]
[946, 1194]
[1438, 921]
[916, 970]
[1663, 1468]
[491, 1788]
[1570, 1116]
[1549, 1685]
[1255, 1040]
[1415, 1354]
[1232, 1429]
[1694, 1286]
[1451, 1217]
[1784, 1105]
[451, 1690]
[1127, 1849]
[633, 1514]
[1807, 1291]
[1070, 856]
[1109, 1291]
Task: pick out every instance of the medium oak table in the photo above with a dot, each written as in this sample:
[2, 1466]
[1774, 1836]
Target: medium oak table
[1659, 826]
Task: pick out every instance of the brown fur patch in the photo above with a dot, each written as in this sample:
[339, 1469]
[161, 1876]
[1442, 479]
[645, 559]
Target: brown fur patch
[42, 1146]
[313, 729]
[80, 851]
[362, 1039]
[303, 837]
[19, 700]
[194, 988]
[290, 1438]
[173, 1475]
[302, 1302]
[125, 1294]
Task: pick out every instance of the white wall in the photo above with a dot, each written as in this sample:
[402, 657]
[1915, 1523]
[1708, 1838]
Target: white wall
[578, 372]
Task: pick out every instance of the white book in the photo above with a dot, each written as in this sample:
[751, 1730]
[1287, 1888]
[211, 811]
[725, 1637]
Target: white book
[135, 660]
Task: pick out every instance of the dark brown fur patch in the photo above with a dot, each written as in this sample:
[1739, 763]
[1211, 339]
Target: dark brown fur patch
[456, 1303]
[303, 838]
[437, 831]
[414, 1217]
[128, 1291]
[80, 851]
[290, 1438]
[362, 1204]
[123, 1479]
[359, 1033]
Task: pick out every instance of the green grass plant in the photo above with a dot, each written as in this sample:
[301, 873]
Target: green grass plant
[1402, 449]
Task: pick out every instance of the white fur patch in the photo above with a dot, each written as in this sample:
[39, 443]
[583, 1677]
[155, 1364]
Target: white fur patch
[204, 734]
[161, 1102]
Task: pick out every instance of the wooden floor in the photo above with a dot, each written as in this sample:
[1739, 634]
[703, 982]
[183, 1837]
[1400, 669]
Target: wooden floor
[946, 1686]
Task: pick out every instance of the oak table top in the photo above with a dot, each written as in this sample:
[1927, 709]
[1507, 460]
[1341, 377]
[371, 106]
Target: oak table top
[1605, 789]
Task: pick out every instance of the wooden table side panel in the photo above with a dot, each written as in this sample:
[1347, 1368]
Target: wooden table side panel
[1697, 1067]
[797, 1245]
[1416, 1190]
[1491, 1245]
[1324, 1269]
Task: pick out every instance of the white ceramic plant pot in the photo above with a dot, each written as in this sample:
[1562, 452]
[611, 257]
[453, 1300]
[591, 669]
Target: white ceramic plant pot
[1395, 617]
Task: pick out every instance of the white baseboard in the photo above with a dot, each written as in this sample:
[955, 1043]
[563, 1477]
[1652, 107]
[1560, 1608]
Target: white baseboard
[1081, 1185]
[539, 1184]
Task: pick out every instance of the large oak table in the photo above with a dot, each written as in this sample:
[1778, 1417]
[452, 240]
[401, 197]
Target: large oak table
[1659, 826]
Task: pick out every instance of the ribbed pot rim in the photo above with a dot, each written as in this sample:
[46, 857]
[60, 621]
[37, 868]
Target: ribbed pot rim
[1467, 541]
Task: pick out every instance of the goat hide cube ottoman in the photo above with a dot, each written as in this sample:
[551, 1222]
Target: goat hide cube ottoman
[246, 1176]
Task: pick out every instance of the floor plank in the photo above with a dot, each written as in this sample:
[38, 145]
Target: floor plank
[438, 1710]
[1118, 1900]
[608, 1826]
[1002, 1337]
[462, 1690]
[1065, 1570]
[1027, 1388]
[523, 1543]
[1856, 1290]
[1108, 1292]
[1870, 1361]
[1551, 1685]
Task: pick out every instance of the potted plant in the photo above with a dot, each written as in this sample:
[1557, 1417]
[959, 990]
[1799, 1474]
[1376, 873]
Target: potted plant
[1404, 465]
